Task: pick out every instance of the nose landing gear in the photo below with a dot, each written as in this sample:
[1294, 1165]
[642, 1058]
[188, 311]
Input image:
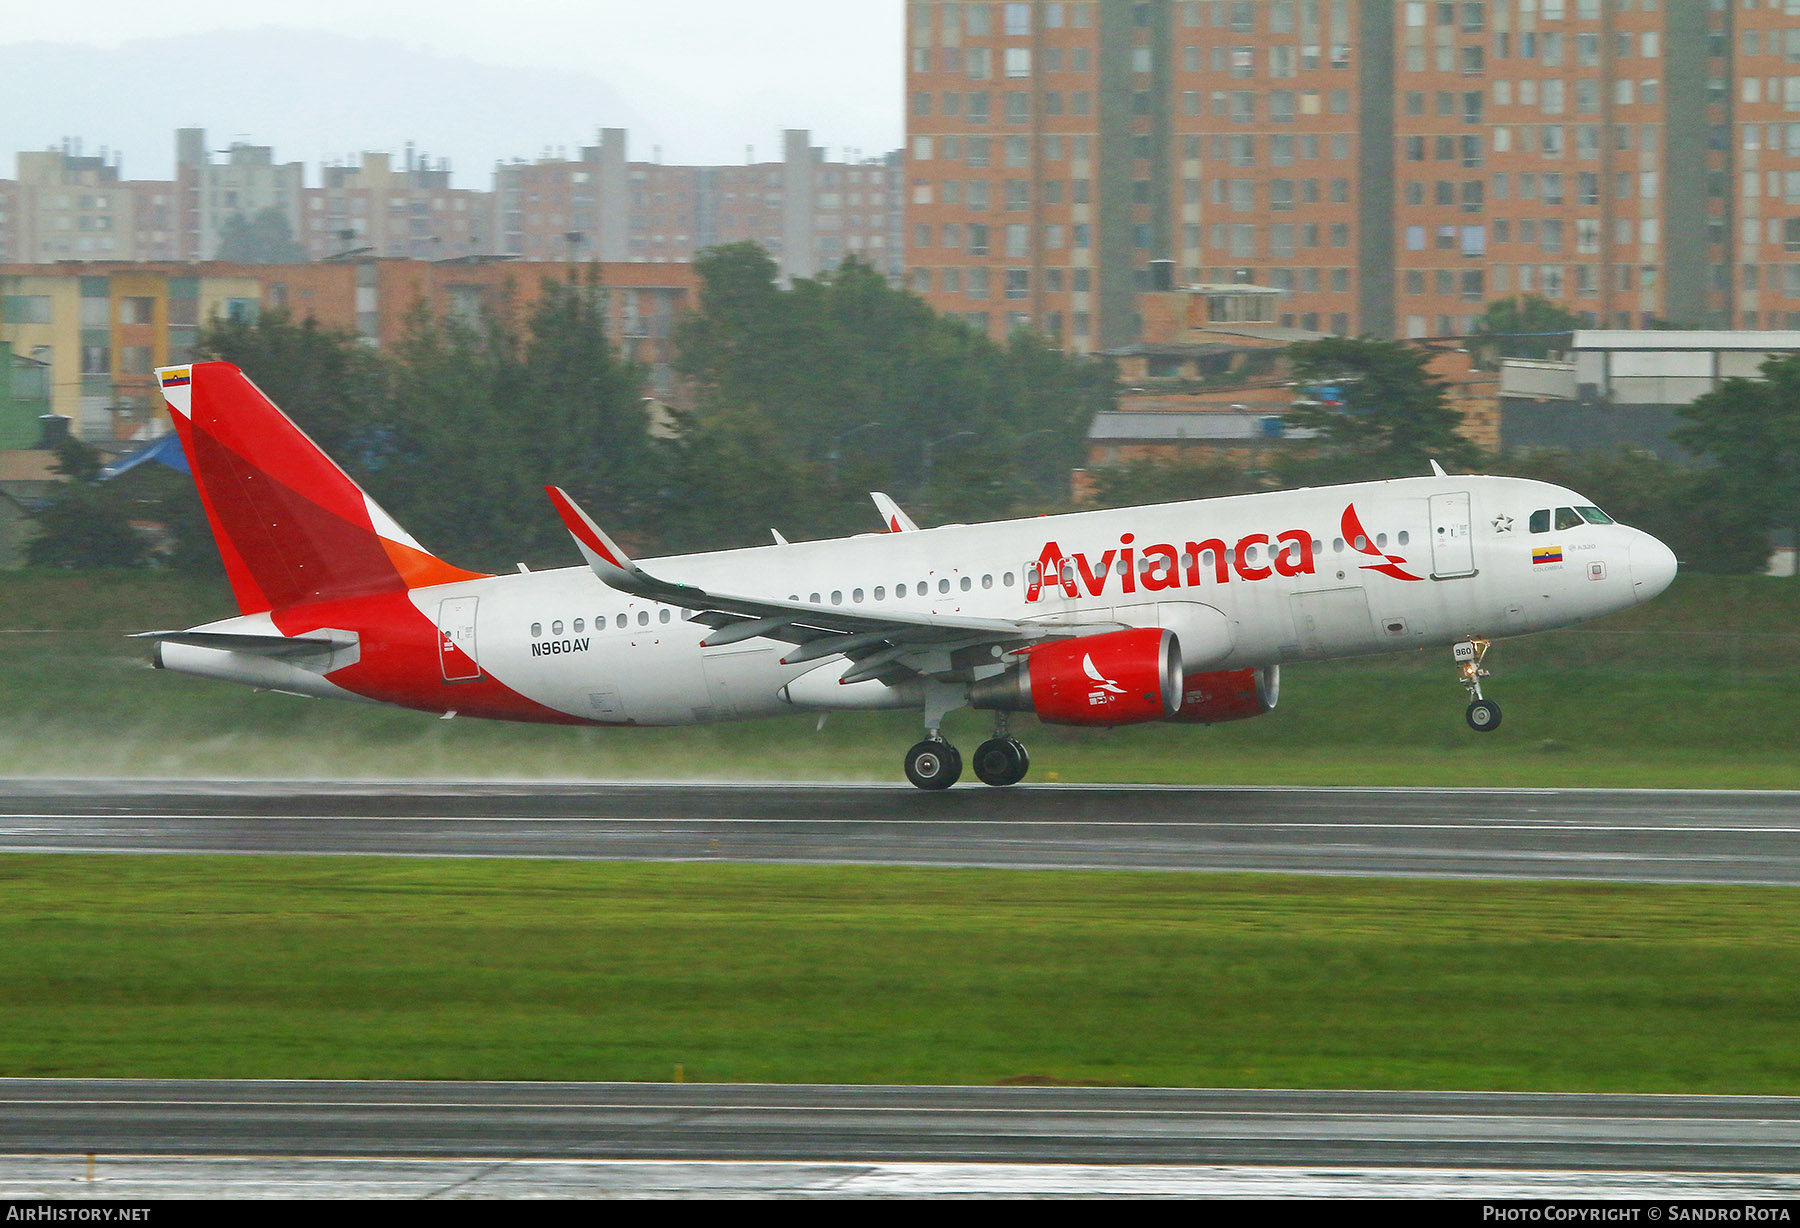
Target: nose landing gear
[1483, 715]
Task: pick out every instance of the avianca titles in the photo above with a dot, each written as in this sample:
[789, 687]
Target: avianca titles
[1179, 612]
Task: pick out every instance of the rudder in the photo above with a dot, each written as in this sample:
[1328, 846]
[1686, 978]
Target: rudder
[291, 526]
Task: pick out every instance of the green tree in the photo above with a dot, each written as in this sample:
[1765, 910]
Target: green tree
[481, 418]
[1392, 419]
[260, 238]
[86, 524]
[1526, 326]
[867, 383]
[1750, 429]
[324, 378]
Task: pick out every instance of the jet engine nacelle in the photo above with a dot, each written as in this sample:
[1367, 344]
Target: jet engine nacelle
[1228, 695]
[1120, 678]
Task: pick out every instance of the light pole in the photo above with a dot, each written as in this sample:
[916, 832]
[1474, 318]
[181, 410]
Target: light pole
[931, 448]
[836, 452]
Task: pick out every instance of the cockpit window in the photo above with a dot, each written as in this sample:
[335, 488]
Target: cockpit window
[1567, 518]
[1540, 520]
[1594, 515]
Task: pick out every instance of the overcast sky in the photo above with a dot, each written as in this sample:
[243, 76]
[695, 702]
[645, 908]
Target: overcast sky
[701, 78]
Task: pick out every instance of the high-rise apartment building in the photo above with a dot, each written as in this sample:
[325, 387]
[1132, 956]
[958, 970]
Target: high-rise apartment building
[246, 183]
[393, 211]
[808, 212]
[1389, 165]
[72, 206]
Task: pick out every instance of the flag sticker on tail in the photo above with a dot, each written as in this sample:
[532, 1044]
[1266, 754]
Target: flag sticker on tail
[177, 377]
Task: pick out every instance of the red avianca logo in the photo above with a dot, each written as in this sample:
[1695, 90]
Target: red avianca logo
[1162, 566]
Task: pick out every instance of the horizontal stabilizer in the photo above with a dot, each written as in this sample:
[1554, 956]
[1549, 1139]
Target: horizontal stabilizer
[260, 645]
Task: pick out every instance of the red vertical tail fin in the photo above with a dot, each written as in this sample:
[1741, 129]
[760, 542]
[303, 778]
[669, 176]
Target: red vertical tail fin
[291, 526]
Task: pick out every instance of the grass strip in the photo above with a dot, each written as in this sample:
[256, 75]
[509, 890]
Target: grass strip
[438, 969]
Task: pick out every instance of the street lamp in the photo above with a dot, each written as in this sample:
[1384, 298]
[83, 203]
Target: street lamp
[932, 445]
[836, 452]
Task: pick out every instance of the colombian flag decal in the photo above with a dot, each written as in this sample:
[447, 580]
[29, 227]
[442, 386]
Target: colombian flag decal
[1546, 554]
[180, 377]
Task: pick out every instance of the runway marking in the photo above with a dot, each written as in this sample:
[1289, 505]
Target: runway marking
[1336, 1116]
[1473, 824]
[248, 1176]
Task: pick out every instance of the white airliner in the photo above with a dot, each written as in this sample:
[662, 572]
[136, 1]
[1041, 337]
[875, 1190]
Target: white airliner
[1178, 612]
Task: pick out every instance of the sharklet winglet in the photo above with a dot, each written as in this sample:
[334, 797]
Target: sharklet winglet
[614, 567]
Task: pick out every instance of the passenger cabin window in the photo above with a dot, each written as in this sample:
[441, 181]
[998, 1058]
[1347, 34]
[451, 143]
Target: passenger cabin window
[622, 620]
[1540, 520]
[579, 624]
[556, 627]
[537, 629]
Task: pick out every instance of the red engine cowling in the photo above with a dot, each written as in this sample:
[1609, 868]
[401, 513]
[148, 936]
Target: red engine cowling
[1228, 695]
[1120, 678]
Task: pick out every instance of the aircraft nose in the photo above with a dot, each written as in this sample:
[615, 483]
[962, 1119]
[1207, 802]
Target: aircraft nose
[1652, 567]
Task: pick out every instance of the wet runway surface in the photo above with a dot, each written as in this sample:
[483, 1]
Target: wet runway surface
[205, 1138]
[1623, 835]
[702, 1122]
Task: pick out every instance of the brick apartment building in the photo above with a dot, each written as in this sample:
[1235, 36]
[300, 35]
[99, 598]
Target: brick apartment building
[1389, 165]
[98, 330]
[808, 212]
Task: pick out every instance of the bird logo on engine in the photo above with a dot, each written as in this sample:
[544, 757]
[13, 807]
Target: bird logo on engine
[1105, 687]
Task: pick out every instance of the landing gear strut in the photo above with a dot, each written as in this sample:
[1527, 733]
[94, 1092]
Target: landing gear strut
[1483, 715]
[1001, 760]
[935, 764]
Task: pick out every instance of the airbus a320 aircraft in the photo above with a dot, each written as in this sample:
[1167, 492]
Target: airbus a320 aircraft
[1178, 612]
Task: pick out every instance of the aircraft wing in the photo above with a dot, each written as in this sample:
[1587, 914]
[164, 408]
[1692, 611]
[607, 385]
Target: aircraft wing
[884, 643]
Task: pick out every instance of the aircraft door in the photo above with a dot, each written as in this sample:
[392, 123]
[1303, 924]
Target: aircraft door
[456, 639]
[1452, 537]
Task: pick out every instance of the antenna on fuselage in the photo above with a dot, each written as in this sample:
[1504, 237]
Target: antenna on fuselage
[1437, 470]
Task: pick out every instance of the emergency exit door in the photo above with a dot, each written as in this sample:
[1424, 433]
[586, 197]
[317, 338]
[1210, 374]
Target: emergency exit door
[456, 639]
[1452, 537]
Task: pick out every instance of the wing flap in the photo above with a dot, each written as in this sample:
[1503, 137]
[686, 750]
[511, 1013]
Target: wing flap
[823, 630]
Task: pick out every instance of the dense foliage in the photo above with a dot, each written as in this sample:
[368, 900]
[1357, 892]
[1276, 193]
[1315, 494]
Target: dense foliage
[263, 237]
[803, 400]
[1389, 418]
[1750, 429]
[806, 398]
[1527, 326]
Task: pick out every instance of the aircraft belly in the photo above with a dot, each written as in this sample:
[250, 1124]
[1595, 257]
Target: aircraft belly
[612, 679]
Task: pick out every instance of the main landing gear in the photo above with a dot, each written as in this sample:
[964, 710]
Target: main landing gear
[1483, 715]
[999, 761]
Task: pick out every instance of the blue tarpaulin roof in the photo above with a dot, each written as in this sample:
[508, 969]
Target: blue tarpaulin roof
[166, 451]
